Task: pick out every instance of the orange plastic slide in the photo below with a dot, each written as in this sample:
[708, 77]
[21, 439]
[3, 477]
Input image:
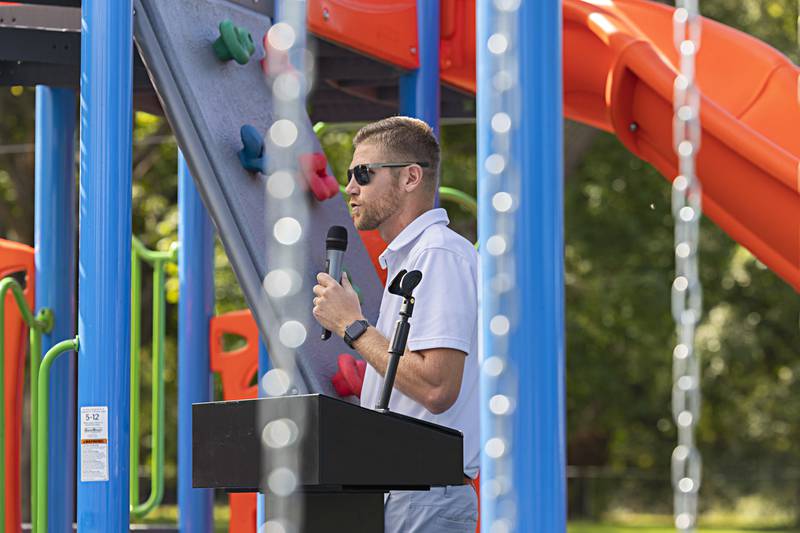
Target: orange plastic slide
[619, 68]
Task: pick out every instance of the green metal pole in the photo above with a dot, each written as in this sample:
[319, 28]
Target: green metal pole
[42, 433]
[37, 324]
[136, 336]
[158, 260]
[461, 198]
[157, 402]
[5, 285]
[151, 256]
[3, 291]
[43, 324]
[159, 324]
[36, 348]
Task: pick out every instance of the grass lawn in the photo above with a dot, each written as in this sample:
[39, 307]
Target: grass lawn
[588, 527]
[620, 523]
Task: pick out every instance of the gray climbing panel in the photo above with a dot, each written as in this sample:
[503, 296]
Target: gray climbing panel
[206, 102]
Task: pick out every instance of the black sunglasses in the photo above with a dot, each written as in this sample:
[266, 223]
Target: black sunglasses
[362, 173]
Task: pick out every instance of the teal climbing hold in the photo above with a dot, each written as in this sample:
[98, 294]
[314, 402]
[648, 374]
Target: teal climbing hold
[233, 43]
[252, 154]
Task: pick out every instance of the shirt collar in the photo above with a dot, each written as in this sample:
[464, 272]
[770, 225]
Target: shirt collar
[414, 230]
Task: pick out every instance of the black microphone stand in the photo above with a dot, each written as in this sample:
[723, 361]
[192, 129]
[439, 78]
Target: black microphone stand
[402, 285]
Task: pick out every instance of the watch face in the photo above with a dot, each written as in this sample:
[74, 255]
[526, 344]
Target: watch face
[355, 328]
[354, 331]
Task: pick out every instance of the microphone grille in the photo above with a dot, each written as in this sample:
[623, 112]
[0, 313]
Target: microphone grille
[337, 238]
[410, 281]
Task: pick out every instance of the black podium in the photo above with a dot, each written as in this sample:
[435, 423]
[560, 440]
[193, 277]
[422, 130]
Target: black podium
[350, 455]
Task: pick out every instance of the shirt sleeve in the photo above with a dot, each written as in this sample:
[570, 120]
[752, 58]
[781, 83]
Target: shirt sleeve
[446, 307]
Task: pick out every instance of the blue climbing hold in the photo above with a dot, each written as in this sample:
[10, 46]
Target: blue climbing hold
[252, 155]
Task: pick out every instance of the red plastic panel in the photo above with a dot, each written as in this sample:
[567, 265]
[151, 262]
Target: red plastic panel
[15, 257]
[375, 247]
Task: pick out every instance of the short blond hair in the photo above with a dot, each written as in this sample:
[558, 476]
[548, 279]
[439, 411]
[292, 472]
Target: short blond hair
[405, 139]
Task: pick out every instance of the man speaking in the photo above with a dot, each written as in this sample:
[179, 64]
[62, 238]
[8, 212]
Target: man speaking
[392, 183]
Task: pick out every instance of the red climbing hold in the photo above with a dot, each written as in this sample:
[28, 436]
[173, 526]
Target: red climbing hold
[314, 167]
[350, 377]
[275, 61]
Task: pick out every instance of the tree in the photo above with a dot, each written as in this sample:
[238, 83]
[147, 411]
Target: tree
[16, 163]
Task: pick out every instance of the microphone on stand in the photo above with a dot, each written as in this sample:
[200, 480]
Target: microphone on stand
[335, 246]
[402, 285]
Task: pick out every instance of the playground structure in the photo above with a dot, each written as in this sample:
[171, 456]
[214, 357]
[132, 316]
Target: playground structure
[619, 66]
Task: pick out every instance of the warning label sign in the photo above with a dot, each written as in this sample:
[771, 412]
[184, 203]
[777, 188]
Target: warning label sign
[94, 443]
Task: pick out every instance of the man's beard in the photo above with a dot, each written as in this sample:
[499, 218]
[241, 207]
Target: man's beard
[372, 216]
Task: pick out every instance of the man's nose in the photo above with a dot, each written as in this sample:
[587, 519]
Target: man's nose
[352, 187]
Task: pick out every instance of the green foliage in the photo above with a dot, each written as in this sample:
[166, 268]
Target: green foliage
[772, 21]
[619, 266]
[16, 163]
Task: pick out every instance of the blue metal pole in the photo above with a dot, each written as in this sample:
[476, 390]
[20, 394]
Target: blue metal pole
[54, 239]
[195, 308]
[533, 338]
[420, 92]
[104, 266]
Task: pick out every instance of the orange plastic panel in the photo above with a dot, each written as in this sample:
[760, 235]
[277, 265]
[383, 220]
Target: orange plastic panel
[237, 369]
[457, 49]
[15, 257]
[385, 30]
[244, 512]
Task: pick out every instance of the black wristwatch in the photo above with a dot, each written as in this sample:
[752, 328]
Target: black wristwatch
[354, 331]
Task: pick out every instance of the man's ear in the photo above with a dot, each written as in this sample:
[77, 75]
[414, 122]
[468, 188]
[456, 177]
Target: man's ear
[413, 178]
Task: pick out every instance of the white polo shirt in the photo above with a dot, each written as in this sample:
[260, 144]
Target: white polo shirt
[445, 316]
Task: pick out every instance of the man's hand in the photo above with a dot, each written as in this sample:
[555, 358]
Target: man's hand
[335, 306]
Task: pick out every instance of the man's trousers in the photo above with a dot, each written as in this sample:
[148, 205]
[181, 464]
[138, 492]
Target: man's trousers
[439, 510]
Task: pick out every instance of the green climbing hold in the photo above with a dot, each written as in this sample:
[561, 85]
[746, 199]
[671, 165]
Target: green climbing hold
[233, 43]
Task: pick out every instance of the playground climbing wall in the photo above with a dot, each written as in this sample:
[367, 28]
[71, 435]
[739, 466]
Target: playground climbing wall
[207, 101]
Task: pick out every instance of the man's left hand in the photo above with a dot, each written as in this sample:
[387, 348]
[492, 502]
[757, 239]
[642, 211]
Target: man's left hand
[335, 306]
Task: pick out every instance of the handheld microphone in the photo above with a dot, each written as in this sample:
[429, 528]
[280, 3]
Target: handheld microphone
[335, 246]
